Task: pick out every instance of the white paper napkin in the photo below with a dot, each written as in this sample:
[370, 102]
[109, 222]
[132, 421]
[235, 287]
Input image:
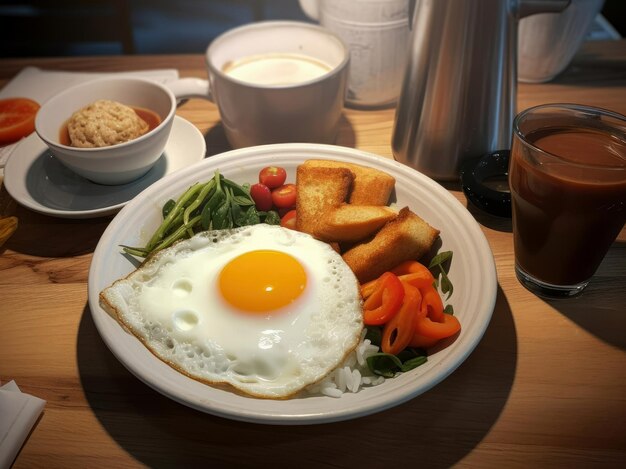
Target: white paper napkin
[18, 414]
[41, 85]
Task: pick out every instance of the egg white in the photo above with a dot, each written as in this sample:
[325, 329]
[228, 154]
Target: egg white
[172, 303]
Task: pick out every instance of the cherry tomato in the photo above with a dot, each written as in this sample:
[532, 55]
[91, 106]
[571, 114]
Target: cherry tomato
[262, 197]
[17, 119]
[284, 210]
[284, 196]
[273, 176]
[289, 220]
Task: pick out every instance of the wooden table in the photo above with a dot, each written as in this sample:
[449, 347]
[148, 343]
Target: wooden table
[546, 387]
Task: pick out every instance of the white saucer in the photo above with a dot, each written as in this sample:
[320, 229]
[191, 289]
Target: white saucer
[37, 180]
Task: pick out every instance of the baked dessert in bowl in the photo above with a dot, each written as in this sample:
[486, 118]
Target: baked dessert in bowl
[111, 130]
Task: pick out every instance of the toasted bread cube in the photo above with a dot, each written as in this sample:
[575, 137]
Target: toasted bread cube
[371, 186]
[352, 223]
[404, 238]
[318, 190]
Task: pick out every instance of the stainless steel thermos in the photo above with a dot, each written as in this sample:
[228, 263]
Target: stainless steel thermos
[458, 96]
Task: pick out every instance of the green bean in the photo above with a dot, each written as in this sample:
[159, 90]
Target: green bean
[180, 203]
[138, 252]
[207, 212]
[217, 204]
[206, 190]
[179, 233]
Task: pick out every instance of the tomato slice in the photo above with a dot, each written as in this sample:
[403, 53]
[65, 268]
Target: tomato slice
[273, 176]
[284, 196]
[17, 119]
[289, 220]
[262, 197]
[384, 301]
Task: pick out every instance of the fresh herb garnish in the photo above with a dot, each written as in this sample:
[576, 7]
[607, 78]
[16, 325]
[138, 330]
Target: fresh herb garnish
[217, 204]
[439, 266]
[386, 364]
[374, 334]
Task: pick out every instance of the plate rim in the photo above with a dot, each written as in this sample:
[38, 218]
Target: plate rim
[13, 189]
[322, 151]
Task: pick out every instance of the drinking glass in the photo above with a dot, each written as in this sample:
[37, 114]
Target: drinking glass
[567, 177]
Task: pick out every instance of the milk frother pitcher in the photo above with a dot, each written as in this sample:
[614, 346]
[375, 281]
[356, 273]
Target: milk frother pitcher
[458, 94]
[377, 34]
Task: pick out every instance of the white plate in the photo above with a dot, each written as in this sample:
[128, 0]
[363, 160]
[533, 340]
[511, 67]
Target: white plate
[472, 273]
[37, 180]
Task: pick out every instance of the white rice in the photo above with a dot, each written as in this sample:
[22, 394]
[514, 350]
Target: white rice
[351, 375]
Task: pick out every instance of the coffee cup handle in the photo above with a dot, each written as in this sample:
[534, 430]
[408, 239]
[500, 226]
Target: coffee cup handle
[186, 88]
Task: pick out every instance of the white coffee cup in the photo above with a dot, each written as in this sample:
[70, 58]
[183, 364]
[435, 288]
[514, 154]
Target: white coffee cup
[254, 108]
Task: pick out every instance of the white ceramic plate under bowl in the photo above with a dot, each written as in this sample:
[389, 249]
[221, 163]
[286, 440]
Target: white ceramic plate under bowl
[472, 273]
[39, 181]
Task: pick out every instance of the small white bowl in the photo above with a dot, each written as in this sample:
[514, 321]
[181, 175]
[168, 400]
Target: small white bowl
[116, 164]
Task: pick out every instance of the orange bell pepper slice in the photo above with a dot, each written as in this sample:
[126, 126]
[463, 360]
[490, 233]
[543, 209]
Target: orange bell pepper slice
[411, 267]
[407, 304]
[419, 280]
[411, 272]
[414, 273]
[368, 288]
[421, 341]
[383, 301]
[433, 302]
[449, 326]
[398, 332]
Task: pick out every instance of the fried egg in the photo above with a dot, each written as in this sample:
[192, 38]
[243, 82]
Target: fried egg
[264, 309]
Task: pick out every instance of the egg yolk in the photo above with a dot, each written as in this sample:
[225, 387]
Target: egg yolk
[262, 281]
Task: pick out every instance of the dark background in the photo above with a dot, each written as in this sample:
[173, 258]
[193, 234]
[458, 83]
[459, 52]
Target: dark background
[615, 12]
[35, 28]
[38, 28]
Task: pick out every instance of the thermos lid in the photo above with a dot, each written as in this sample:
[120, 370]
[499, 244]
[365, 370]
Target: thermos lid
[484, 183]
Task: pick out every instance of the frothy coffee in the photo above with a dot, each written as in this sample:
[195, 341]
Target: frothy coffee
[276, 69]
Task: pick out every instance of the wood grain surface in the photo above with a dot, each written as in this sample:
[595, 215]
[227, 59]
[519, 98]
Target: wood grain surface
[546, 386]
